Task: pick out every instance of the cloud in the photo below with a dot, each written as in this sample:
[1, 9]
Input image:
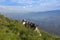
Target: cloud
[2, 0]
[10, 9]
[24, 1]
[30, 5]
[37, 3]
[14, 9]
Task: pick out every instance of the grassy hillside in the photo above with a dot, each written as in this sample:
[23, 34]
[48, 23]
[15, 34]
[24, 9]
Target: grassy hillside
[14, 30]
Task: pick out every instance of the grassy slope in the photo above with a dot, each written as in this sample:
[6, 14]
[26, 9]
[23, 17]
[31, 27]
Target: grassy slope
[14, 30]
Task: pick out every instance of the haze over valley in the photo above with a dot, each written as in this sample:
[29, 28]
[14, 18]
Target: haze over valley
[48, 21]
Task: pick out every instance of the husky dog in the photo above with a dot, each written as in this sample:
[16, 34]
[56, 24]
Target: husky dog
[28, 24]
[31, 26]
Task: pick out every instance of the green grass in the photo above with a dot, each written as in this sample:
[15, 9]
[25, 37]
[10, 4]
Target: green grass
[14, 30]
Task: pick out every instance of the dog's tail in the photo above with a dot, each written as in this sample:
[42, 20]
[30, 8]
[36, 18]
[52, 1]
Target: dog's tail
[38, 31]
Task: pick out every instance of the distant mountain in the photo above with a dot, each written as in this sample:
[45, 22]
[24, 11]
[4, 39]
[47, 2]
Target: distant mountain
[48, 21]
[14, 30]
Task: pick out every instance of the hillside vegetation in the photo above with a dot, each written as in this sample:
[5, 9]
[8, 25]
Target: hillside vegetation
[14, 30]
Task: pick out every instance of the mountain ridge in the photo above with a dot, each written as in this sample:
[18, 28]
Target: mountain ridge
[14, 30]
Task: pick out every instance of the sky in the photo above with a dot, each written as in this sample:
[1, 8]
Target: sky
[29, 5]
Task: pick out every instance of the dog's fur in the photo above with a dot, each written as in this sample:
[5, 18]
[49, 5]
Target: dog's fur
[31, 25]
